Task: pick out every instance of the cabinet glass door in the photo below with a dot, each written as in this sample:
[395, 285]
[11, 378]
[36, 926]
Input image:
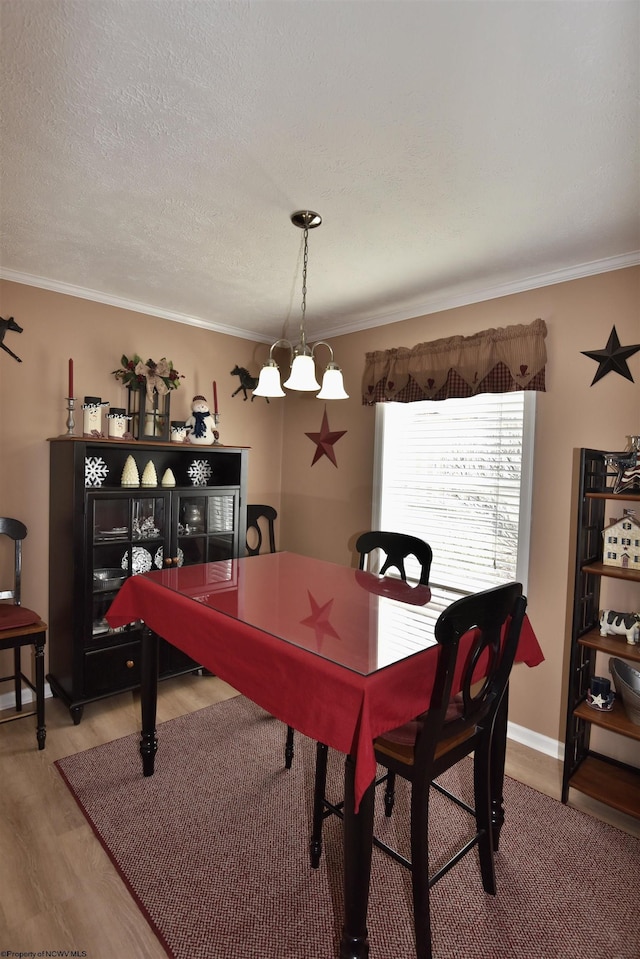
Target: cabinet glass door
[128, 537]
[206, 526]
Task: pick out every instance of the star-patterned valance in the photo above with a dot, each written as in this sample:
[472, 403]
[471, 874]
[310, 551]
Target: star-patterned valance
[501, 360]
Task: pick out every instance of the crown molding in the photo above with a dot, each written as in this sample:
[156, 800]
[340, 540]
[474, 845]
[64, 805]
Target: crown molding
[68, 289]
[466, 296]
[447, 300]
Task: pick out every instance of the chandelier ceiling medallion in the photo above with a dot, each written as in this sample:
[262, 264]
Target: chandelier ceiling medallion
[303, 371]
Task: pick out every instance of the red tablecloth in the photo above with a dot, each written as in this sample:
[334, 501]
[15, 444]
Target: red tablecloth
[325, 701]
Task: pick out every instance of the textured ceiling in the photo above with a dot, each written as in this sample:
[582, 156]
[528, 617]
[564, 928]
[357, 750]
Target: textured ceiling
[153, 151]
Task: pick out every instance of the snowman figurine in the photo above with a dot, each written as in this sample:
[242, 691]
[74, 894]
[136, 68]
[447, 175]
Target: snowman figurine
[200, 425]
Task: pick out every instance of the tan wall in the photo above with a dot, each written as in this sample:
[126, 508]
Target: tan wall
[32, 405]
[325, 508]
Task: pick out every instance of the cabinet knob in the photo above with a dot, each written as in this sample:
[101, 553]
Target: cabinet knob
[175, 560]
[130, 664]
[168, 561]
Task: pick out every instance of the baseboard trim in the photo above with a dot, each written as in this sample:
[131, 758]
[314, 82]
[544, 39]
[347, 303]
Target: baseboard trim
[542, 744]
[8, 700]
[520, 734]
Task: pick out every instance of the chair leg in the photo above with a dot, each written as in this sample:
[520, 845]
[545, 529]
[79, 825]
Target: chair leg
[420, 869]
[288, 748]
[41, 729]
[482, 801]
[315, 844]
[17, 680]
[389, 793]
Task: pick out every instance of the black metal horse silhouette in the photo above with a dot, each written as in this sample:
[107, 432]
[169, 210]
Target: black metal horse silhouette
[247, 382]
[10, 324]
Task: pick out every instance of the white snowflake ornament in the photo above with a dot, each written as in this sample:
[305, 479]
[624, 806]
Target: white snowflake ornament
[199, 472]
[95, 471]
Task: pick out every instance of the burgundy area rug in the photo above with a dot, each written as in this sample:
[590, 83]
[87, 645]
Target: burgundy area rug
[213, 848]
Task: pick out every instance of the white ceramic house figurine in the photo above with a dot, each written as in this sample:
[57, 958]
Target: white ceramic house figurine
[622, 542]
[201, 425]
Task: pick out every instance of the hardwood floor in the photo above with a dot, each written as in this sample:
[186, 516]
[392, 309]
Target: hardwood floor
[58, 888]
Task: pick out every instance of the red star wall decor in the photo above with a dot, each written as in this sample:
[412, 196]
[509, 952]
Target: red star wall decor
[324, 441]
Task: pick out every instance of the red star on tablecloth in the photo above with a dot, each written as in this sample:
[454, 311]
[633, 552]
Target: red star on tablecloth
[324, 441]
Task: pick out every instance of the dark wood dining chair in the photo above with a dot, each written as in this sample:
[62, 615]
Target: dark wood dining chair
[20, 626]
[259, 518]
[261, 521]
[394, 549]
[451, 729]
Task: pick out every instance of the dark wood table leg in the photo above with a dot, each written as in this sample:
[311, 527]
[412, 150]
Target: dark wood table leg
[498, 754]
[358, 841]
[148, 699]
[41, 729]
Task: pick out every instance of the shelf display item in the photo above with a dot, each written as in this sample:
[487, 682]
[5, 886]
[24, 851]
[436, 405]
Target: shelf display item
[130, 475]
[95, 471]
[104, 579]
[627, 683]
[118, 423]
[201, 423]
[149, 475]
[599, 695]
[620, 624]
[141, 561]
[199, 472]
[178, 431]
[622, 542]
[92, 417]
[168, 479]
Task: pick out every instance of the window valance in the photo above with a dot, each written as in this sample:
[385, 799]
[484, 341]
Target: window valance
[501, 360]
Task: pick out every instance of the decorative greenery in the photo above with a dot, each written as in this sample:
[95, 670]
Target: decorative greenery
[138, 375]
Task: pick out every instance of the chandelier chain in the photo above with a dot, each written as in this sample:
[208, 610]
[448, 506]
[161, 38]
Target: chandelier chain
[305, 260]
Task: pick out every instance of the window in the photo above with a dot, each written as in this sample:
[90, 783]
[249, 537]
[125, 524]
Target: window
[457, 473]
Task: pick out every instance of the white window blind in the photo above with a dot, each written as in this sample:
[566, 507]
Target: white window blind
[457, 473]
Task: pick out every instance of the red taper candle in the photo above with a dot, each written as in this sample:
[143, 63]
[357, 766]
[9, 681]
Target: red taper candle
[215, 397]
[70, 378]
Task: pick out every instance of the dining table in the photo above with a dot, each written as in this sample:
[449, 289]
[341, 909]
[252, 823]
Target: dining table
[320, 646]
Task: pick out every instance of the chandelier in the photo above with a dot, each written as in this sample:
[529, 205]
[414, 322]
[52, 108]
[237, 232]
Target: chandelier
[303, 369]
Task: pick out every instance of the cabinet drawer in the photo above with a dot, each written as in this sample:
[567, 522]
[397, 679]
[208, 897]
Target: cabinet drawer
[111, 669]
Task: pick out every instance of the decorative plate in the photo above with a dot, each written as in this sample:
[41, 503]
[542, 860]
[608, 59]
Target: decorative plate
[159, 558]
[199, 472]
[141, 561]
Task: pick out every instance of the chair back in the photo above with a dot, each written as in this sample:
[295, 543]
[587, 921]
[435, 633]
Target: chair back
[16, 531]
[396, 547]
[481, 672]
[257, 515]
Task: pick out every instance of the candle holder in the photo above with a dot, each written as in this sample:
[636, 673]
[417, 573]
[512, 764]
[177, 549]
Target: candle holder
[216, 434]
[71, 403]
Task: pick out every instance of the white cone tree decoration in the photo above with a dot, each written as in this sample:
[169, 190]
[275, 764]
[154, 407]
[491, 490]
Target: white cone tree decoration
[130, 475]
[149, 476]
[168, 479]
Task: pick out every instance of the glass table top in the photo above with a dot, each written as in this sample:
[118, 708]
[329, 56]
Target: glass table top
[348, 616]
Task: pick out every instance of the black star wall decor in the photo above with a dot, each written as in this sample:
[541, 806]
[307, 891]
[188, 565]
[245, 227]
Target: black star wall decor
[613, 358]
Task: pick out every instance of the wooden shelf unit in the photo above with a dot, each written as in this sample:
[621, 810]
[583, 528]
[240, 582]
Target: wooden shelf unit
[607, 780]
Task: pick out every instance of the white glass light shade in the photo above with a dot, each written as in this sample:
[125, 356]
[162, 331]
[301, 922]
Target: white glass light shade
[332, 385]
[269, 381]
[303, 375]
